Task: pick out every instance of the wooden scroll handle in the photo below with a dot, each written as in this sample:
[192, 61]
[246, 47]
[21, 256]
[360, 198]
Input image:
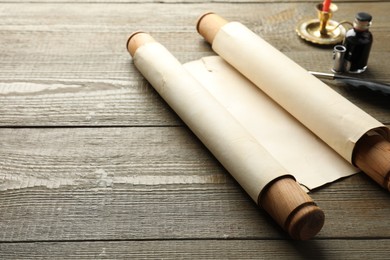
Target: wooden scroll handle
[372, 156]
[292, 208]
[283, 199]
[136, 40]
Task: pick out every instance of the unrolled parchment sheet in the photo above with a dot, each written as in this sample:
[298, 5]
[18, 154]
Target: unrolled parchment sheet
[330, 116]
[309, 159]
[237, 150]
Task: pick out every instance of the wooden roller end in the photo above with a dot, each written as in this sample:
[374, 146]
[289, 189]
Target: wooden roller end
[136, 40]
[209, 24]
[292, 209]
[372, 156]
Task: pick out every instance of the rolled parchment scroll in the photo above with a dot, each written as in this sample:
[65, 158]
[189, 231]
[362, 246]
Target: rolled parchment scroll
[262, 177]
[352, 133]
[312, 162]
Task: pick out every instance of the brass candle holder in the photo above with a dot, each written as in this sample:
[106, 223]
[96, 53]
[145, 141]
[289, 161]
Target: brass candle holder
[322, 30]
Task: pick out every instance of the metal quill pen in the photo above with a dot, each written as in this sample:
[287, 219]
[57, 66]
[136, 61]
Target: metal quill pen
[355, 82]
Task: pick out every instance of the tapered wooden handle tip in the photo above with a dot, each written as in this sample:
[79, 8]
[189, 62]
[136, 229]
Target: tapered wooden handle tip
[136, 40]
[372, 156]
[306, 222]
[209, 24]
[292, 209]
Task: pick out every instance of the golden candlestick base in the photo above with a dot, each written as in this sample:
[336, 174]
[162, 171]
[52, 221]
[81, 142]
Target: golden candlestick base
[322, 30]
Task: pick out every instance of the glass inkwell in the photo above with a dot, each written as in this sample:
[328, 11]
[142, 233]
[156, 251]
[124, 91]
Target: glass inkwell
[358, 42]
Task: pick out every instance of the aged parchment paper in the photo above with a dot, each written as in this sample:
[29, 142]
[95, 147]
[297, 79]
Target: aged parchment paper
[309, 159]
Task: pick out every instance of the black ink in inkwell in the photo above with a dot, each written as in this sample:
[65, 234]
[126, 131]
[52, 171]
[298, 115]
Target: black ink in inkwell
[358, 41]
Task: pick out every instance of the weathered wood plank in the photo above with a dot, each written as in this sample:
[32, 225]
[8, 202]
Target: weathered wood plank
[149, 183]
[200, 249]
[175, 1]
[66, 64]
[178, 211]
[154, 191]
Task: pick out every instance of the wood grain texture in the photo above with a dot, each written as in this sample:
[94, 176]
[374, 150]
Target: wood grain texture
[149, 183]
[67, 64]
[200, 249]
[94, 165]
[172, 1]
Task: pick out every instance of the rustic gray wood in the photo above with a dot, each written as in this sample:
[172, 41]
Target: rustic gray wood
[95, 165]
[66, 64]
[200, 249]
[141, 183]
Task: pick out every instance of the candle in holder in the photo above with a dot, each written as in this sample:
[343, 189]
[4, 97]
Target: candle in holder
[326, 5]
[322, 30]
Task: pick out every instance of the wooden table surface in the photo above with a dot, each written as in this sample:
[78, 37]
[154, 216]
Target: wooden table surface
[95, 165]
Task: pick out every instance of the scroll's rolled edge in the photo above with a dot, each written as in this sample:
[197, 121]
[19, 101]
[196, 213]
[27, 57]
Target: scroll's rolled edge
[380, 130]
[371, 154]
